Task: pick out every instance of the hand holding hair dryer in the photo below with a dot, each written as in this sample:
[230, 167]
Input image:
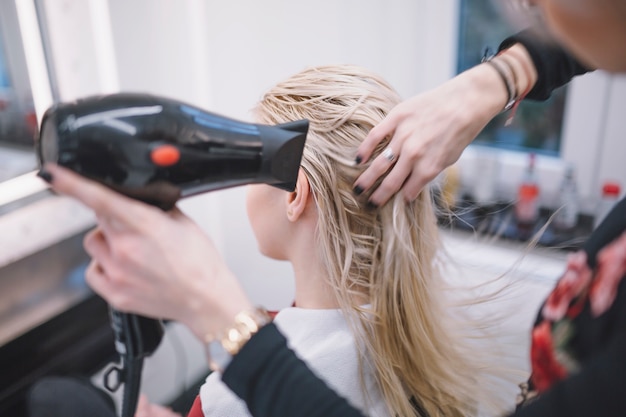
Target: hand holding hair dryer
[159, 150]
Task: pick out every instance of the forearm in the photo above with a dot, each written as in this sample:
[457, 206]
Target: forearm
[274, 382]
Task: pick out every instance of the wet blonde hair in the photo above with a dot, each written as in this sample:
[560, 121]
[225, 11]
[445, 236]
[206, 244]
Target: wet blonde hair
[389, 255]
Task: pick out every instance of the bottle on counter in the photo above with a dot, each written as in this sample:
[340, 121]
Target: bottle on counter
[527, 204]
[566, 217]
[487, 171]
[610, 196]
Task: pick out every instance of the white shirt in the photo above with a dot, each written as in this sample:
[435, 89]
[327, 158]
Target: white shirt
[324, 340]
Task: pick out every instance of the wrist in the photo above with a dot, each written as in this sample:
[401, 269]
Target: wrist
[222, 347]
[517, 74]
[487, 94]
[522, 64]
[212, 309]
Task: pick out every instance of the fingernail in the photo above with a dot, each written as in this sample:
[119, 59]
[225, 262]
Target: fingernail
[371, 205]
[358, 159]
[45, 175]
[357, 190]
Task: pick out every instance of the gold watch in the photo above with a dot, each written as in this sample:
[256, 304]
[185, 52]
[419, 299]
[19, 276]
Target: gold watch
[220, 349]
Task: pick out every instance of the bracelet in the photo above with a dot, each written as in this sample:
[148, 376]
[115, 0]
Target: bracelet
[514, 54]
[508, 77]
[220, 349]
[523, 95]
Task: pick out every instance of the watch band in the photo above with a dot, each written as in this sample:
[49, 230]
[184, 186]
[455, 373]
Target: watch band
[221, 349]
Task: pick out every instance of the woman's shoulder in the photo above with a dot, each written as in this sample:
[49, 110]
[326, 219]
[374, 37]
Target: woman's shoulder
[324, 339]
[315, 331]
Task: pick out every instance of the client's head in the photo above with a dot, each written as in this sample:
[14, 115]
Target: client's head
[379, 261]
[343, 103]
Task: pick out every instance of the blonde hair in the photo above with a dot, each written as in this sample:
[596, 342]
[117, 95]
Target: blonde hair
[388, 254]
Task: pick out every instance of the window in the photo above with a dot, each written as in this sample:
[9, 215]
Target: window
[581, 125]
[537, 126]
[18, 122]
[17, 117]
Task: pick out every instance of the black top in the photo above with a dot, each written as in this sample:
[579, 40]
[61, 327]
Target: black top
[274, 382]
[555, 67]
[592, 379]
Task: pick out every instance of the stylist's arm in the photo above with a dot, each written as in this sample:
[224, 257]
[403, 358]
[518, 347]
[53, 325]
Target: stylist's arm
[154, 263]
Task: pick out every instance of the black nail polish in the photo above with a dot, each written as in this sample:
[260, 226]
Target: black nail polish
[371, 205]
[45, 175]
[358, 159]
[357, 190]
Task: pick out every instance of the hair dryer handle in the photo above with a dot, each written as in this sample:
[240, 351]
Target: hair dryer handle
[135, 336]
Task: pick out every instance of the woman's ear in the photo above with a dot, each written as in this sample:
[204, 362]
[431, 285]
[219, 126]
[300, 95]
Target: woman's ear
[298, 199]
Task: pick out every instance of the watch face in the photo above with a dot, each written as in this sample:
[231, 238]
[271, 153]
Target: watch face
[218, 357]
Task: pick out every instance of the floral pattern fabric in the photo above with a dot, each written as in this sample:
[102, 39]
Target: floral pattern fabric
[552, 355]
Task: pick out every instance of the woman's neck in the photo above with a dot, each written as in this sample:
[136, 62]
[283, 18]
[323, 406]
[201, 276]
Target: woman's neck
[312, 283]
[312, 286]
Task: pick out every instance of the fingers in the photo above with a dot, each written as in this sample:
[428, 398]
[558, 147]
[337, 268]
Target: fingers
[97, 280]
[409, 174]
[105, 202]
[95, 243]
[100, 274]
[379, 166]
[413, 185]
[392, 182]
[375, 136]
[146, 409]
[115, 291]
[143, 407]
[97, 247]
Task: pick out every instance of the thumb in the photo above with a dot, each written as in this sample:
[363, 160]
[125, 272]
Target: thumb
[143, 407]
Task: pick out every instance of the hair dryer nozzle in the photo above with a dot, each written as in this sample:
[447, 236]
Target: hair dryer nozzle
[158, 150]
[282, 152]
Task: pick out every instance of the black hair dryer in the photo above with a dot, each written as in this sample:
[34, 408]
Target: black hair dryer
[159, 150]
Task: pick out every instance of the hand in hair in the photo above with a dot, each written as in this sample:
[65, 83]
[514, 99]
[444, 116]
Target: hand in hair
[430, 131]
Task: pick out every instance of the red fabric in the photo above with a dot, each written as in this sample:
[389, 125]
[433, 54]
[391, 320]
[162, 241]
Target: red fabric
[196, 408]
